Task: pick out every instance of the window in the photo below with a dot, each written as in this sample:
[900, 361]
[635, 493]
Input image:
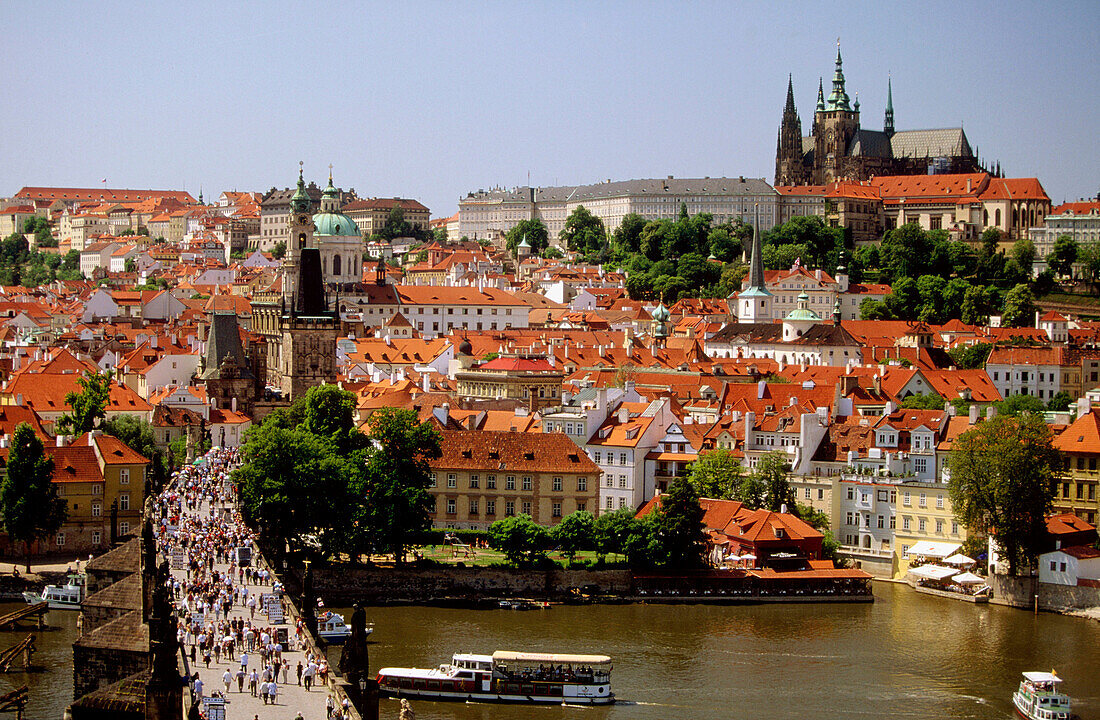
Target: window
[622, 458]
[905, 498]
[622, 503]
[509, 482]
[124, 501]
[954, 528]
[893, 522]
[807, 493]
[1061, 567]
[939, 527]
[924, 500]
[124, 528]
[509, 508]
[609, 505]
[851, 494]
[452, 480]
[556, 510]
[431, 504]
[1053, 565]
[96, 537]
[568, 428]
[431, 480]
[921, 525]
[905, 523]
[491, 482]
[490, 507]
[450, 506]
[582, 507]
[610, 458]
[475, 481]
[848, 519]
[920, 464]
[893, 497]
[596, 457]
[60, 539]
[557, 484]
[526, 483]
[473, 507]
[610, 480]
[582, 484]
[821, 493]
[622, 482]
[526, 507]
[881, 522]
[97, 509]
[124, 476]
[905, 551]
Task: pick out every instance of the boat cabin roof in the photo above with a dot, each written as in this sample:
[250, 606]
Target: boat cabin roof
[1042, 677]
[508, 656]
[467, 657]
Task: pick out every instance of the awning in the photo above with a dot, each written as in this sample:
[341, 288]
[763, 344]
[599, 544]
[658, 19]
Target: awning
[968, 578]
[940, 550]
[933, 572]
[958, 559]
[506, 656]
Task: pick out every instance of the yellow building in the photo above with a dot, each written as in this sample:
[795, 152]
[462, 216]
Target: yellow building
[1076, 486]
[484, 476]
[923, 512]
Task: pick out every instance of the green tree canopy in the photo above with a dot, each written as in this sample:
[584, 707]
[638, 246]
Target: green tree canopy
[929, 401]
[28, 497]
[970, 357]
[1018, 405]
[521, 539]
[1002, 483]
[1019, 308]
[88, 406]
[679, 520]
[583, 232]
[138, 435]
[717, 474]
[1063, 255]
[772, 470]
[575, 532]
[534, 231]
[1060, 402]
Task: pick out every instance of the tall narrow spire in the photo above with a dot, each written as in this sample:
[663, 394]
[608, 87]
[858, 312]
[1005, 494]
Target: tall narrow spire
[756, 262]
[838, 98]
[789, 108]
[820, 95]
[888, 125]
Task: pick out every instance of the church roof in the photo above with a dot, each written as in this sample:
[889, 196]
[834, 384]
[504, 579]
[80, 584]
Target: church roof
[942, 142]
[870, 143]
[335, 224]
[224, 339]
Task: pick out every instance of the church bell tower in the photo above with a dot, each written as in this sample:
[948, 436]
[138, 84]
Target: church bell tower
[834, 128]
[299, 237]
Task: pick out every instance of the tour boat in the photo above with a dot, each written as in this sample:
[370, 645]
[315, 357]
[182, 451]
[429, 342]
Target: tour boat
[60, 597]
[1038, 698]
[331, 628]
[507, 677]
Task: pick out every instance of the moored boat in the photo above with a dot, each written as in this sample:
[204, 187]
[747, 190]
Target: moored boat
[1038, 698]
[331, 628]
[507, 676]
[60, 597]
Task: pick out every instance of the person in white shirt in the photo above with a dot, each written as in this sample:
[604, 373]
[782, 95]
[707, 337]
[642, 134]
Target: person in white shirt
[227, 679]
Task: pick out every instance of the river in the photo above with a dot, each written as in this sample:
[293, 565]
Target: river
[906, 655]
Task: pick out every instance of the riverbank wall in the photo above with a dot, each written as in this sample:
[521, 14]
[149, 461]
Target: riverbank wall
[1021, 591]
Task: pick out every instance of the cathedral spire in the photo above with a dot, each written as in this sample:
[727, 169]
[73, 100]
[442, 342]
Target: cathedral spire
[756, 262]
[838, 98]
[300, 201]
[789, 108]
[820, 95]
[888, 125]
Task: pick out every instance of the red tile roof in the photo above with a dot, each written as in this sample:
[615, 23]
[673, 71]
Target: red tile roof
[512, 452]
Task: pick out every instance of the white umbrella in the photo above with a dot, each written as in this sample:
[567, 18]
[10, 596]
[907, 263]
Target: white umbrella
[960, 559]
[968, 578]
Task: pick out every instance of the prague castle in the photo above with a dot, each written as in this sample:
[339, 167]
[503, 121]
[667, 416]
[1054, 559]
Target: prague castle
[837, 148]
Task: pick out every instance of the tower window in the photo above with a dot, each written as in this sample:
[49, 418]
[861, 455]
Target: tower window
[336, 264]
[301, 241]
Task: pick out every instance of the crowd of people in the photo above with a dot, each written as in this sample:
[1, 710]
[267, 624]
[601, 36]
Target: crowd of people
[218, 592]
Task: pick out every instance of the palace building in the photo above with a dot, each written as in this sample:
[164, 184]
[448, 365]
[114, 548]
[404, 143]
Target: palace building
[838, 148]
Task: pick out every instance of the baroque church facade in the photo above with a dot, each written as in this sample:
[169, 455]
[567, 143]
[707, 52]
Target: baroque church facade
[838, 148]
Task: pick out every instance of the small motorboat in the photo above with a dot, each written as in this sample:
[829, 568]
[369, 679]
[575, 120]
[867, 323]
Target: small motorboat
[1038, 698]
[332, 629]
[60, 597]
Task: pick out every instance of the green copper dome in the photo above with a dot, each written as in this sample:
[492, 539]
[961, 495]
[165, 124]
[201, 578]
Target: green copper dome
[661, 313]
[335, 224]
[300, 201]
[802, 312]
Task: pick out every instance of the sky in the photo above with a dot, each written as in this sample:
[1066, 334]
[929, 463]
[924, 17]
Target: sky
[432, 100]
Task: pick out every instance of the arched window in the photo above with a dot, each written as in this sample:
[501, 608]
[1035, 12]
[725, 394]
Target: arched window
[336, 264]
[985, 217]
[997, 218]
[301, 241]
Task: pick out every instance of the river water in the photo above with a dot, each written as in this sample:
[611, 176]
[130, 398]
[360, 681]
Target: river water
[906, 655]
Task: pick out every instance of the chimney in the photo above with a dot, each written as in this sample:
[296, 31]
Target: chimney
[19, 398]
[425, 382]
[973, 414]
[60, 440]
[761, 386]
[233, 404]
[624, 415]
[750, 423]
[1084, 407]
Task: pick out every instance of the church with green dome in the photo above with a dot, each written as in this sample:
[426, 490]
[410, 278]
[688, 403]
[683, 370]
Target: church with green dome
[338, 238]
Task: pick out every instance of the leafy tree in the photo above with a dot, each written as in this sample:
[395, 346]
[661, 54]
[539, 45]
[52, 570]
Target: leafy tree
[611, 530]
[991, 238]
[521, 539]
[40, 227]
[819, 520]
[1002, 483]
[575, 532]
[551, 253]
[1023, 252]
[976, 306]
[1019, 309]
[28, 498]
[627, 235]
[717, 474]
[398, 476]
[818, 240]
[904, 302]
[641, 544]
[970, 357]
[534, 231]
[871, 309]
[1088, 256]
[680, 526]
[1015, 405]
[138, 435]
[772, 470]
[88, 406]
[781, 257]
[929, 401]
[1063, 255]
[1060, 402]
[753, 492]
[583, 231]
[329, 411]
[279, 251]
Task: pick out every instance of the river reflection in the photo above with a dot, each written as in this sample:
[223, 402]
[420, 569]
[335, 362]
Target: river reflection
[51, 676]
[907, 655]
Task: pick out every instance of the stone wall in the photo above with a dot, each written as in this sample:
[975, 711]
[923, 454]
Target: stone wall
[1020, 592]
[339, 585]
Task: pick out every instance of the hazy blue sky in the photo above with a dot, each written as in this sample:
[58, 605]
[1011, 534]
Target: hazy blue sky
[434, 99]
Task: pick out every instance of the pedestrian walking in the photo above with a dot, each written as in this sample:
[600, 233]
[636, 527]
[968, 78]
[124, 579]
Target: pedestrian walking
[299, 673]
[253, 678]
[263, 692]
[240, 680]
[273, 691]
[227, 679]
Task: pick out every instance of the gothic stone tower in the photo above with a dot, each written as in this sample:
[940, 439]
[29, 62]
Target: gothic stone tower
[790, 168]
[834, 126]
[300, 237]
[309, 330]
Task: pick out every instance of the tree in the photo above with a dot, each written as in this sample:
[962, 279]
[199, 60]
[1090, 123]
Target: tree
[138, 436]
[970, 357]
[1023, 252]
[1060, 402]
[521, 539]
[976, 306]
[610, 531]
[28, 498]
[717, 474]
[88, 406]
[627, 235]
[904, 301]
[398, 476]
[1063, 255]
[533, 231]
[1015, 405]
[279, 250]
[1088, 257]
[772, 471]
[1002, 483]
[1019, 309]
[819, 520]
[583, 232]
[680, 526]
[991, 238]
[871, 309]
[930, 401]
[329, 411]
[575, 532]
